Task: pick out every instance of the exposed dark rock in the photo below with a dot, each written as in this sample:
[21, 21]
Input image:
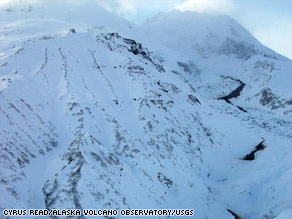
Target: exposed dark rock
[259, 147]
[164, 180]
[189, 68]
[267, 97]
[137, 49]
[193, 99]
[241, 109]
[235, 93]
[234, 214]
[241, 50]
[131, 45]
[72, 31]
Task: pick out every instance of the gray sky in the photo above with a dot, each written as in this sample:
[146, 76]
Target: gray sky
[270, 21]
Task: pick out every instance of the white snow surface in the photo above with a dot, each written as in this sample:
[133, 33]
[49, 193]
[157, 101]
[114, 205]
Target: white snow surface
[114, 115]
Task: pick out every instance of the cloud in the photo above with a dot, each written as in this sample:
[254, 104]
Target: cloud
[4, 1]
[138, 10]
[126, 6]
[119, 7]
[221, 6]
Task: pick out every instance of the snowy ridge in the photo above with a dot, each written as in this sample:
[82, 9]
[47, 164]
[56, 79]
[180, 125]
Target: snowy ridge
[218, 46]
[103, 118]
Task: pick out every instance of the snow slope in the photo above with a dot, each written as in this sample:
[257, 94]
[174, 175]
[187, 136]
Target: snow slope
[110, 117]
[218, 45]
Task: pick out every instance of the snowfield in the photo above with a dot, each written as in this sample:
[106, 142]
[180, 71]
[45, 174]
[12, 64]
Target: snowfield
[188, 111]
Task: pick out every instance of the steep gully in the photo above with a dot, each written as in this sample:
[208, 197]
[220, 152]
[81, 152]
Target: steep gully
[251, 156]
[235, 93]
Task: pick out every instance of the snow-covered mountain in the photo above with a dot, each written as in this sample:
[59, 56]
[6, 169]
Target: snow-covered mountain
[218, 45]
[188, 111]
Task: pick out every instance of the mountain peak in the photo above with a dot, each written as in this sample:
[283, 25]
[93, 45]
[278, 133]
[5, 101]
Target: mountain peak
[205, 33]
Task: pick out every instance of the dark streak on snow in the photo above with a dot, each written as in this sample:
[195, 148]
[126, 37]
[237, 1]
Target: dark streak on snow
[259, 147]
[233, 214]
[235, 93]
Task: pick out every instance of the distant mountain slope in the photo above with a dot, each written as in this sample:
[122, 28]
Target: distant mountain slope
[218, 45]
[82, 15]
[113, 118]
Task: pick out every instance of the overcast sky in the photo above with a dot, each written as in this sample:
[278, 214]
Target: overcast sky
[270, 21]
